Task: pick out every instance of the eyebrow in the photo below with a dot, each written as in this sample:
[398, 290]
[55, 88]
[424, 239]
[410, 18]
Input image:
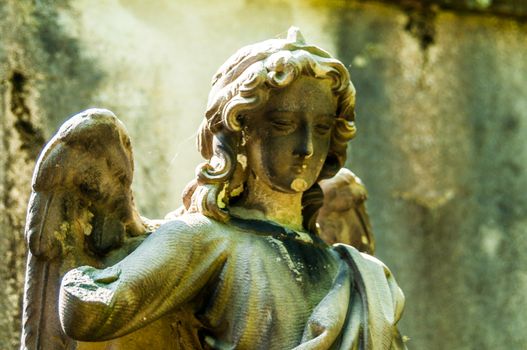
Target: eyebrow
[281, 111]
[326, 115]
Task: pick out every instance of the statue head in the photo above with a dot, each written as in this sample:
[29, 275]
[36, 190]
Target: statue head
[256, 84]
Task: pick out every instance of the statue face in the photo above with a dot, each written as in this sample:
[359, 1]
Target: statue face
[287, 141]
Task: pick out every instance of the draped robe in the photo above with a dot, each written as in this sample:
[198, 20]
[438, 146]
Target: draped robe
[197, 283]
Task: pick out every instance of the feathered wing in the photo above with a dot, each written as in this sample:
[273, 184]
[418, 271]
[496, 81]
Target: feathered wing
[81, 212]
[343, 217]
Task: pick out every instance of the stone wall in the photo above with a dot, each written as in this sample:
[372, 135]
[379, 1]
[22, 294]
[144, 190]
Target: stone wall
[441, 146]
[42, 77]
[442, 120]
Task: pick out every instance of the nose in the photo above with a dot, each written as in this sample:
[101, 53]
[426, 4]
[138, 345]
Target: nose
[304, 146]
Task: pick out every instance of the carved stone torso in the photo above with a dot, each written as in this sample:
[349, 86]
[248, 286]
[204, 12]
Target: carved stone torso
[269, 284]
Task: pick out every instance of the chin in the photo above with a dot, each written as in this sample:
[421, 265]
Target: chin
[289, 187]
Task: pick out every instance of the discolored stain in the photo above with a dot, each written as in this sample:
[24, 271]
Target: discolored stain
[511, 123]
[31, 136]
[421, 23]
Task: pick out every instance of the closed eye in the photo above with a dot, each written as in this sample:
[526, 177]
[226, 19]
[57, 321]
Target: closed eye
[283, 124]
[323, 127]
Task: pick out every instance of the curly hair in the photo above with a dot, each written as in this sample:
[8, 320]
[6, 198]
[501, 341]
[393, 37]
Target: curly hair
[242, 85]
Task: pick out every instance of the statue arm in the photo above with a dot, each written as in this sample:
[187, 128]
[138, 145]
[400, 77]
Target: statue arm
[168, 269]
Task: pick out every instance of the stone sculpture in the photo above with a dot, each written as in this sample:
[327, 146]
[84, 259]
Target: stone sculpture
[241, 264]
[343, 217]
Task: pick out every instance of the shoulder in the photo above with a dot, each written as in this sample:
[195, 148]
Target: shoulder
[193, 227]
[362, 260]
[185, 238]
[376, 277]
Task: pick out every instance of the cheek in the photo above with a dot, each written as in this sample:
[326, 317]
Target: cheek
[253, 151]
[263, 152]
[274, 154]
[321, 149]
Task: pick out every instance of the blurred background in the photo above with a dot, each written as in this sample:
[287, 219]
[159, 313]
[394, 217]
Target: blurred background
[441, 144]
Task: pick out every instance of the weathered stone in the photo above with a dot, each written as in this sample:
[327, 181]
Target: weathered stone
[466, 87]
[441, 151]
[40, 66]
[505, 8]
[242, 264]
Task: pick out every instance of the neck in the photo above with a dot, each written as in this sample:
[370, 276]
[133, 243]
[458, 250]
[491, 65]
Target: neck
[262, 202]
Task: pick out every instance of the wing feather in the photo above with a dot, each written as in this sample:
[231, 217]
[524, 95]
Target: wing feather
[343, 217]
[81, 210]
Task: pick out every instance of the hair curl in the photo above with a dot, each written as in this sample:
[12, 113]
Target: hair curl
[243, 84]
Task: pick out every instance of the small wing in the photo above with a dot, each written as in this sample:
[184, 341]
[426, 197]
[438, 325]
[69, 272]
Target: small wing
[81, 210]
[343, 217]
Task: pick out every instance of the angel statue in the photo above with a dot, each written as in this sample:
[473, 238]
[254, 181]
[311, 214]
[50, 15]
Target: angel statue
[241, 264]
